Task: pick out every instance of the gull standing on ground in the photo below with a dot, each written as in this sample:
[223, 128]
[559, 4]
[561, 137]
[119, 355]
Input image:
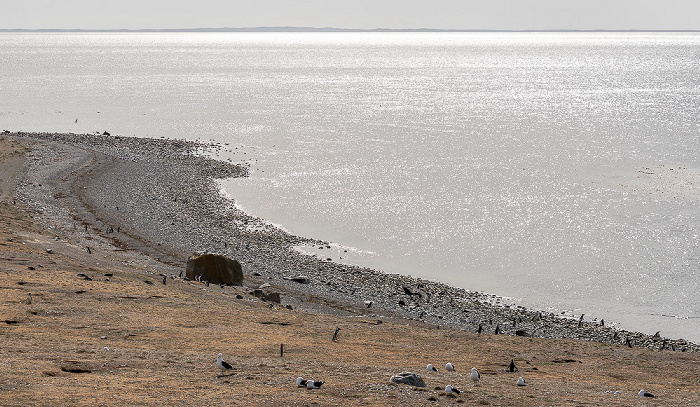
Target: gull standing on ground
[222, 364]
[643, 393]
[301, 382]
[521, 382]
[430, 368]
[449, 367]
[475, 376]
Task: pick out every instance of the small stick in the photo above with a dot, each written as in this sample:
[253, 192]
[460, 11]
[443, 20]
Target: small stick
[281, 350]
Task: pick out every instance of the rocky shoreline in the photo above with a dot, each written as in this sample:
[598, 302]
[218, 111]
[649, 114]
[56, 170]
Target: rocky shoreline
[158, 197]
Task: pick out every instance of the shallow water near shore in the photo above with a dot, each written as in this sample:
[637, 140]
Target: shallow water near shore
[560, 170]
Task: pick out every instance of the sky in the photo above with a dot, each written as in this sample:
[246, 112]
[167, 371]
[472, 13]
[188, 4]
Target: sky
[363, 14]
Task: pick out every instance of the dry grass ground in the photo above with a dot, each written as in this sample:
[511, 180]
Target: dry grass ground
[128, 342]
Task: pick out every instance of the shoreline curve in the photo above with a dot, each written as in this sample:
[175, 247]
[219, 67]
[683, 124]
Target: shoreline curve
[160, 198]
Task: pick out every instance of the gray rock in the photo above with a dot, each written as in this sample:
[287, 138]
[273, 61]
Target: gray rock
[267, 295]
[409, 378]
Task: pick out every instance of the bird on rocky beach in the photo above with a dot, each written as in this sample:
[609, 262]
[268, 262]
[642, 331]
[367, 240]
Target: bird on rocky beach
[311, 384]
[643, 393]
[512, 368]
[29, 298]
[223, 365]
[335, 334]
[431, 368]
[521, 382]
[450, 389]
[475, 376]
[449, 367]
[301, 382]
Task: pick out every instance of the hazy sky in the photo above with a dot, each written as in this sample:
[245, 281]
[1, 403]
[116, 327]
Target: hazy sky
[451, 14]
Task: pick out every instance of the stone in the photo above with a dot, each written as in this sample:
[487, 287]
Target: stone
[300, 279]
[267, 295]
[409, 378]
[215, 269]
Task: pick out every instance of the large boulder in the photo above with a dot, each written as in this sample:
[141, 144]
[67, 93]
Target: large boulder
[409, 378]
[215, 269]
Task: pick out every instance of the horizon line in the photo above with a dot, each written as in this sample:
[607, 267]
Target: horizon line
[321, 29]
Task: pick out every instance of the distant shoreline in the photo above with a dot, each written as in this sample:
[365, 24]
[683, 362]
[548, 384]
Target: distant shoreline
[320, 30]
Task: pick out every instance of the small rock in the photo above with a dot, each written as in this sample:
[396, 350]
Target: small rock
[267, 296]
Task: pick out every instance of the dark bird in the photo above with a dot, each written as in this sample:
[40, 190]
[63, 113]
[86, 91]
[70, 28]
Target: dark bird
[511, 367]
[335, 334]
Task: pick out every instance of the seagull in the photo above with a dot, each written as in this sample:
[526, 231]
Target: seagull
[301, 382]
[310, 384]
[449, 367]
[521, 382]
[450, 389]
[643, 393]
[430, 368]
[223, 365]
[475, 376]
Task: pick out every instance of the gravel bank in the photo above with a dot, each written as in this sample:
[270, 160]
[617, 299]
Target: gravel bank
[158, 197]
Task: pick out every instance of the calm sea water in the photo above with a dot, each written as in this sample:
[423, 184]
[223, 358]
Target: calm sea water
[560, 170]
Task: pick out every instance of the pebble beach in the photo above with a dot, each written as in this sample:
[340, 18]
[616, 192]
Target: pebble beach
[159, 197]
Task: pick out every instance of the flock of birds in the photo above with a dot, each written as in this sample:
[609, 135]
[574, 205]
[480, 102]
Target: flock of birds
[475, 376]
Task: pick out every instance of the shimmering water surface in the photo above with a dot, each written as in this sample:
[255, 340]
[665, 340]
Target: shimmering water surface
[561, 170]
